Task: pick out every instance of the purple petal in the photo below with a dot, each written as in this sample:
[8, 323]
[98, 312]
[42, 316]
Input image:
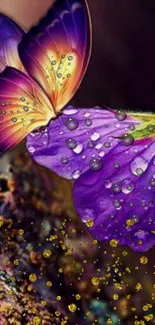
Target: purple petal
[120, 198]
[78, 140]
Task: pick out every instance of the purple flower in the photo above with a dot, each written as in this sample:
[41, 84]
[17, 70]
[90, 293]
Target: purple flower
[111, 158]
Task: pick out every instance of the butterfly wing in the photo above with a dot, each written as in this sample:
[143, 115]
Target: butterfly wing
[57, 51]
[23, 107]
[10, 36]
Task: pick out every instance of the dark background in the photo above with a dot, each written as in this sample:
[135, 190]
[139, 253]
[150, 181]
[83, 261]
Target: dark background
[121, 72]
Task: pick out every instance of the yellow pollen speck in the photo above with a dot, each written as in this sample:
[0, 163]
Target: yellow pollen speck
[113, 243]
[90, 223]
[72, 308]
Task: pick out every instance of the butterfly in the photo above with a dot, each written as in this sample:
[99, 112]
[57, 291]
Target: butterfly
[109, 154]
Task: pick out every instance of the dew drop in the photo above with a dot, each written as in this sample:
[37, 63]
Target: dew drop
[136, 219]
[64, 160]
[127, 186]
[14, 119]
[95, 164]
[150, 128]
[99, 146]
[76, 174]
[139, 171]
[87, 114]
[3, 104]
[116, 165]
[95, 136]
[26, 108]
[101, 154]
[132, 127]
[71, 124]
[117, 204]
[152, 182]
[107, 144]
[70, 58]
[107, 184]
[88, 122]
[70, 110]
[127, 139]
[59, 75]
[91, 144]
[54, 62]
[78, 149]
[117, 188]
[112, 216]
[71, 143]
[22, 99]
[31, 149]
[120, 116]
[138, 166]
[68, 75]
[3, 112]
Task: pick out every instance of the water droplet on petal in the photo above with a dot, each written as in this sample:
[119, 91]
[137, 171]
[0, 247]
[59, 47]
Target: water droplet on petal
[54, 62]
[26, 108]
[70, 110]
[91, 144]
[116, 165]
[96, 164]
[112, 216]
[107, 144]
[136, 219]
[99, 146]
[101, 154]
[3, 104]
[45, 138]
[71, 124]
[139, 171]
[150, 128]
[59, 75]
[117, 188]
[76, 174]
[132, 127]
[127, 139]
[88, 122]
[87, 114]
[138, 166]
[22, 99]
[14, 119]
[78, 149]
[71, 143]
[95, 136]
[120, 116]
[127, 186]
[152, 182]
[64, 160]
[117, 204]
[70, 58]
[31, 149]
[107, 183]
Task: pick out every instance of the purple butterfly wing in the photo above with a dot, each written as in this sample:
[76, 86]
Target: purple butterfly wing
[10, 36]
[120, 199]
[77, 140]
